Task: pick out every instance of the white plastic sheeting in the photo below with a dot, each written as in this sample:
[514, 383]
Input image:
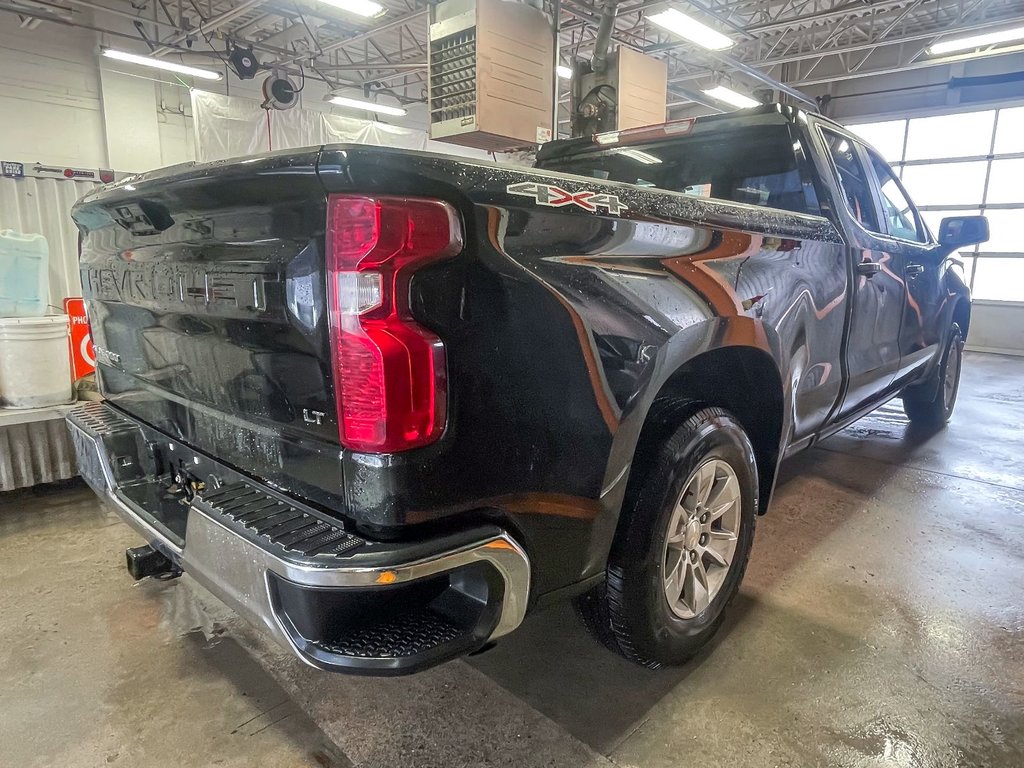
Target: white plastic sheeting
[228, 126]
[43, 206]
[338, 129]
[35, 452]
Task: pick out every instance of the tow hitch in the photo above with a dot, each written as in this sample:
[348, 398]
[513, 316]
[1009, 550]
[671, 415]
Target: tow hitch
[145, 561]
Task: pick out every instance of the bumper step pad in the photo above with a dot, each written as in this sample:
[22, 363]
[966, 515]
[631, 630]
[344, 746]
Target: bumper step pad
[293, 529]
[407, 634]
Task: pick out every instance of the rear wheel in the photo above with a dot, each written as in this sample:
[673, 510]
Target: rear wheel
[931, 404]
[683, 546]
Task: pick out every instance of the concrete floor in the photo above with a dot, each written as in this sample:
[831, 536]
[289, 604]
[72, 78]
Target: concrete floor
[880, 624]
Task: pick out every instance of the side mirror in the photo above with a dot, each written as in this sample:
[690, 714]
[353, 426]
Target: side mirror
[958, 231]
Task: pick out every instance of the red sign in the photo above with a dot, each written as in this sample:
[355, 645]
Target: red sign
[83, 356]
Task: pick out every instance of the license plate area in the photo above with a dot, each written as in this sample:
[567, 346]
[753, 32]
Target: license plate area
[156, 479]
[166, 510]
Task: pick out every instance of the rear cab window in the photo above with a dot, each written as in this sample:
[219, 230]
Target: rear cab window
[755, 164]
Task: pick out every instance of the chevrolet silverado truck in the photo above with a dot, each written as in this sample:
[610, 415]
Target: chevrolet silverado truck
[384, 403]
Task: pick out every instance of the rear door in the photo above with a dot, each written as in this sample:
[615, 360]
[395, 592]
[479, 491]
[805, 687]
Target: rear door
[877, 291]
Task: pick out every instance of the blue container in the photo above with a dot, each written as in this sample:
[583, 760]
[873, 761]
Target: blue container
[24, 271]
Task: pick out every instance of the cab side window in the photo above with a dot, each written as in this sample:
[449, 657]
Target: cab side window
[901, 218]
[853, 180]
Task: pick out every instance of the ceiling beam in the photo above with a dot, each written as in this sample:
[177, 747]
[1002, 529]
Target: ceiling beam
[902, 39]
[207, 27]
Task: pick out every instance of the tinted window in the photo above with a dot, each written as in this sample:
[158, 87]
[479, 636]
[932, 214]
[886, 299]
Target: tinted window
[853, 181]
[901, 217]
[756, 165]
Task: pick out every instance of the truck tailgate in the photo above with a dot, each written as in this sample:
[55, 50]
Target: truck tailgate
[206, 298]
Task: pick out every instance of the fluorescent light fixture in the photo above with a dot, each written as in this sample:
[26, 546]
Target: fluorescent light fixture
[169, 66]
[678, 23]
[564, 72]
[366, 8]
[979, 41]
[640, 156]
[729, 96]
[369, 106]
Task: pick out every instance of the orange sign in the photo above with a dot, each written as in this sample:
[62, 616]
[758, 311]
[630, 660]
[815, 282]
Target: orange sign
[83, 356]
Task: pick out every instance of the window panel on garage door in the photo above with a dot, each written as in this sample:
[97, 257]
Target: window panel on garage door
[1010, 131]
[1006, 182]
[1006, 234]
[999, 279]
[966, 134]
[946, 183]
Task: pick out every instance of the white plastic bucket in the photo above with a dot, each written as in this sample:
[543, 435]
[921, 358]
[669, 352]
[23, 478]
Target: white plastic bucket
[35, 364]
[24, 265]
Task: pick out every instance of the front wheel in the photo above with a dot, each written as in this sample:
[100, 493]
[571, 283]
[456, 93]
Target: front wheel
[682, 547]
[931, 404]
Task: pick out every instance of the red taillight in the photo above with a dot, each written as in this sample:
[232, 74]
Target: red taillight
[389, 373]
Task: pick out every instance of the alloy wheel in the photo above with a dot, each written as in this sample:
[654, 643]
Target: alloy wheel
[702, 538]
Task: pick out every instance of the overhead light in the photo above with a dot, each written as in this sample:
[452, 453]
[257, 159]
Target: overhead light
[366, 8]
[978, 41]
[169, 66]
[729, 96]
[369, 106]
[640, 156]
[564, 72]
[678, 23]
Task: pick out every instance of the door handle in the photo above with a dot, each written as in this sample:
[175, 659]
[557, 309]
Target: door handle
[869, 268]
[913, 270]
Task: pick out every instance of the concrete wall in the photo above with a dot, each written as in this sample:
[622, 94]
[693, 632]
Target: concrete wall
[50, 96]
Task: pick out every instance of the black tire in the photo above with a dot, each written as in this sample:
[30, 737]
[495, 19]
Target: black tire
[630, 612]
[931, 403]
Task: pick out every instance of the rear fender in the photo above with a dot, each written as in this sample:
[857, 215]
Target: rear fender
[701, 348]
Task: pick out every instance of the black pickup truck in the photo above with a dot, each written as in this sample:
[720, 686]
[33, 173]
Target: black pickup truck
[384, 403]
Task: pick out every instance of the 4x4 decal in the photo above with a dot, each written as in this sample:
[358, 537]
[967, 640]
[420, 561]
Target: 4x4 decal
[556, 197]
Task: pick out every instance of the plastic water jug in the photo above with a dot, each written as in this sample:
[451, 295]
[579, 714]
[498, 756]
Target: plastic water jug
[24, 269]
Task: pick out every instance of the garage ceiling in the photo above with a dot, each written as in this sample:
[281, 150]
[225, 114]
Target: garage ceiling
[799, 43]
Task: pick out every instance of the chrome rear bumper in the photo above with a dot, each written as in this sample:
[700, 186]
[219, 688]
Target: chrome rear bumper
[347, 605]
